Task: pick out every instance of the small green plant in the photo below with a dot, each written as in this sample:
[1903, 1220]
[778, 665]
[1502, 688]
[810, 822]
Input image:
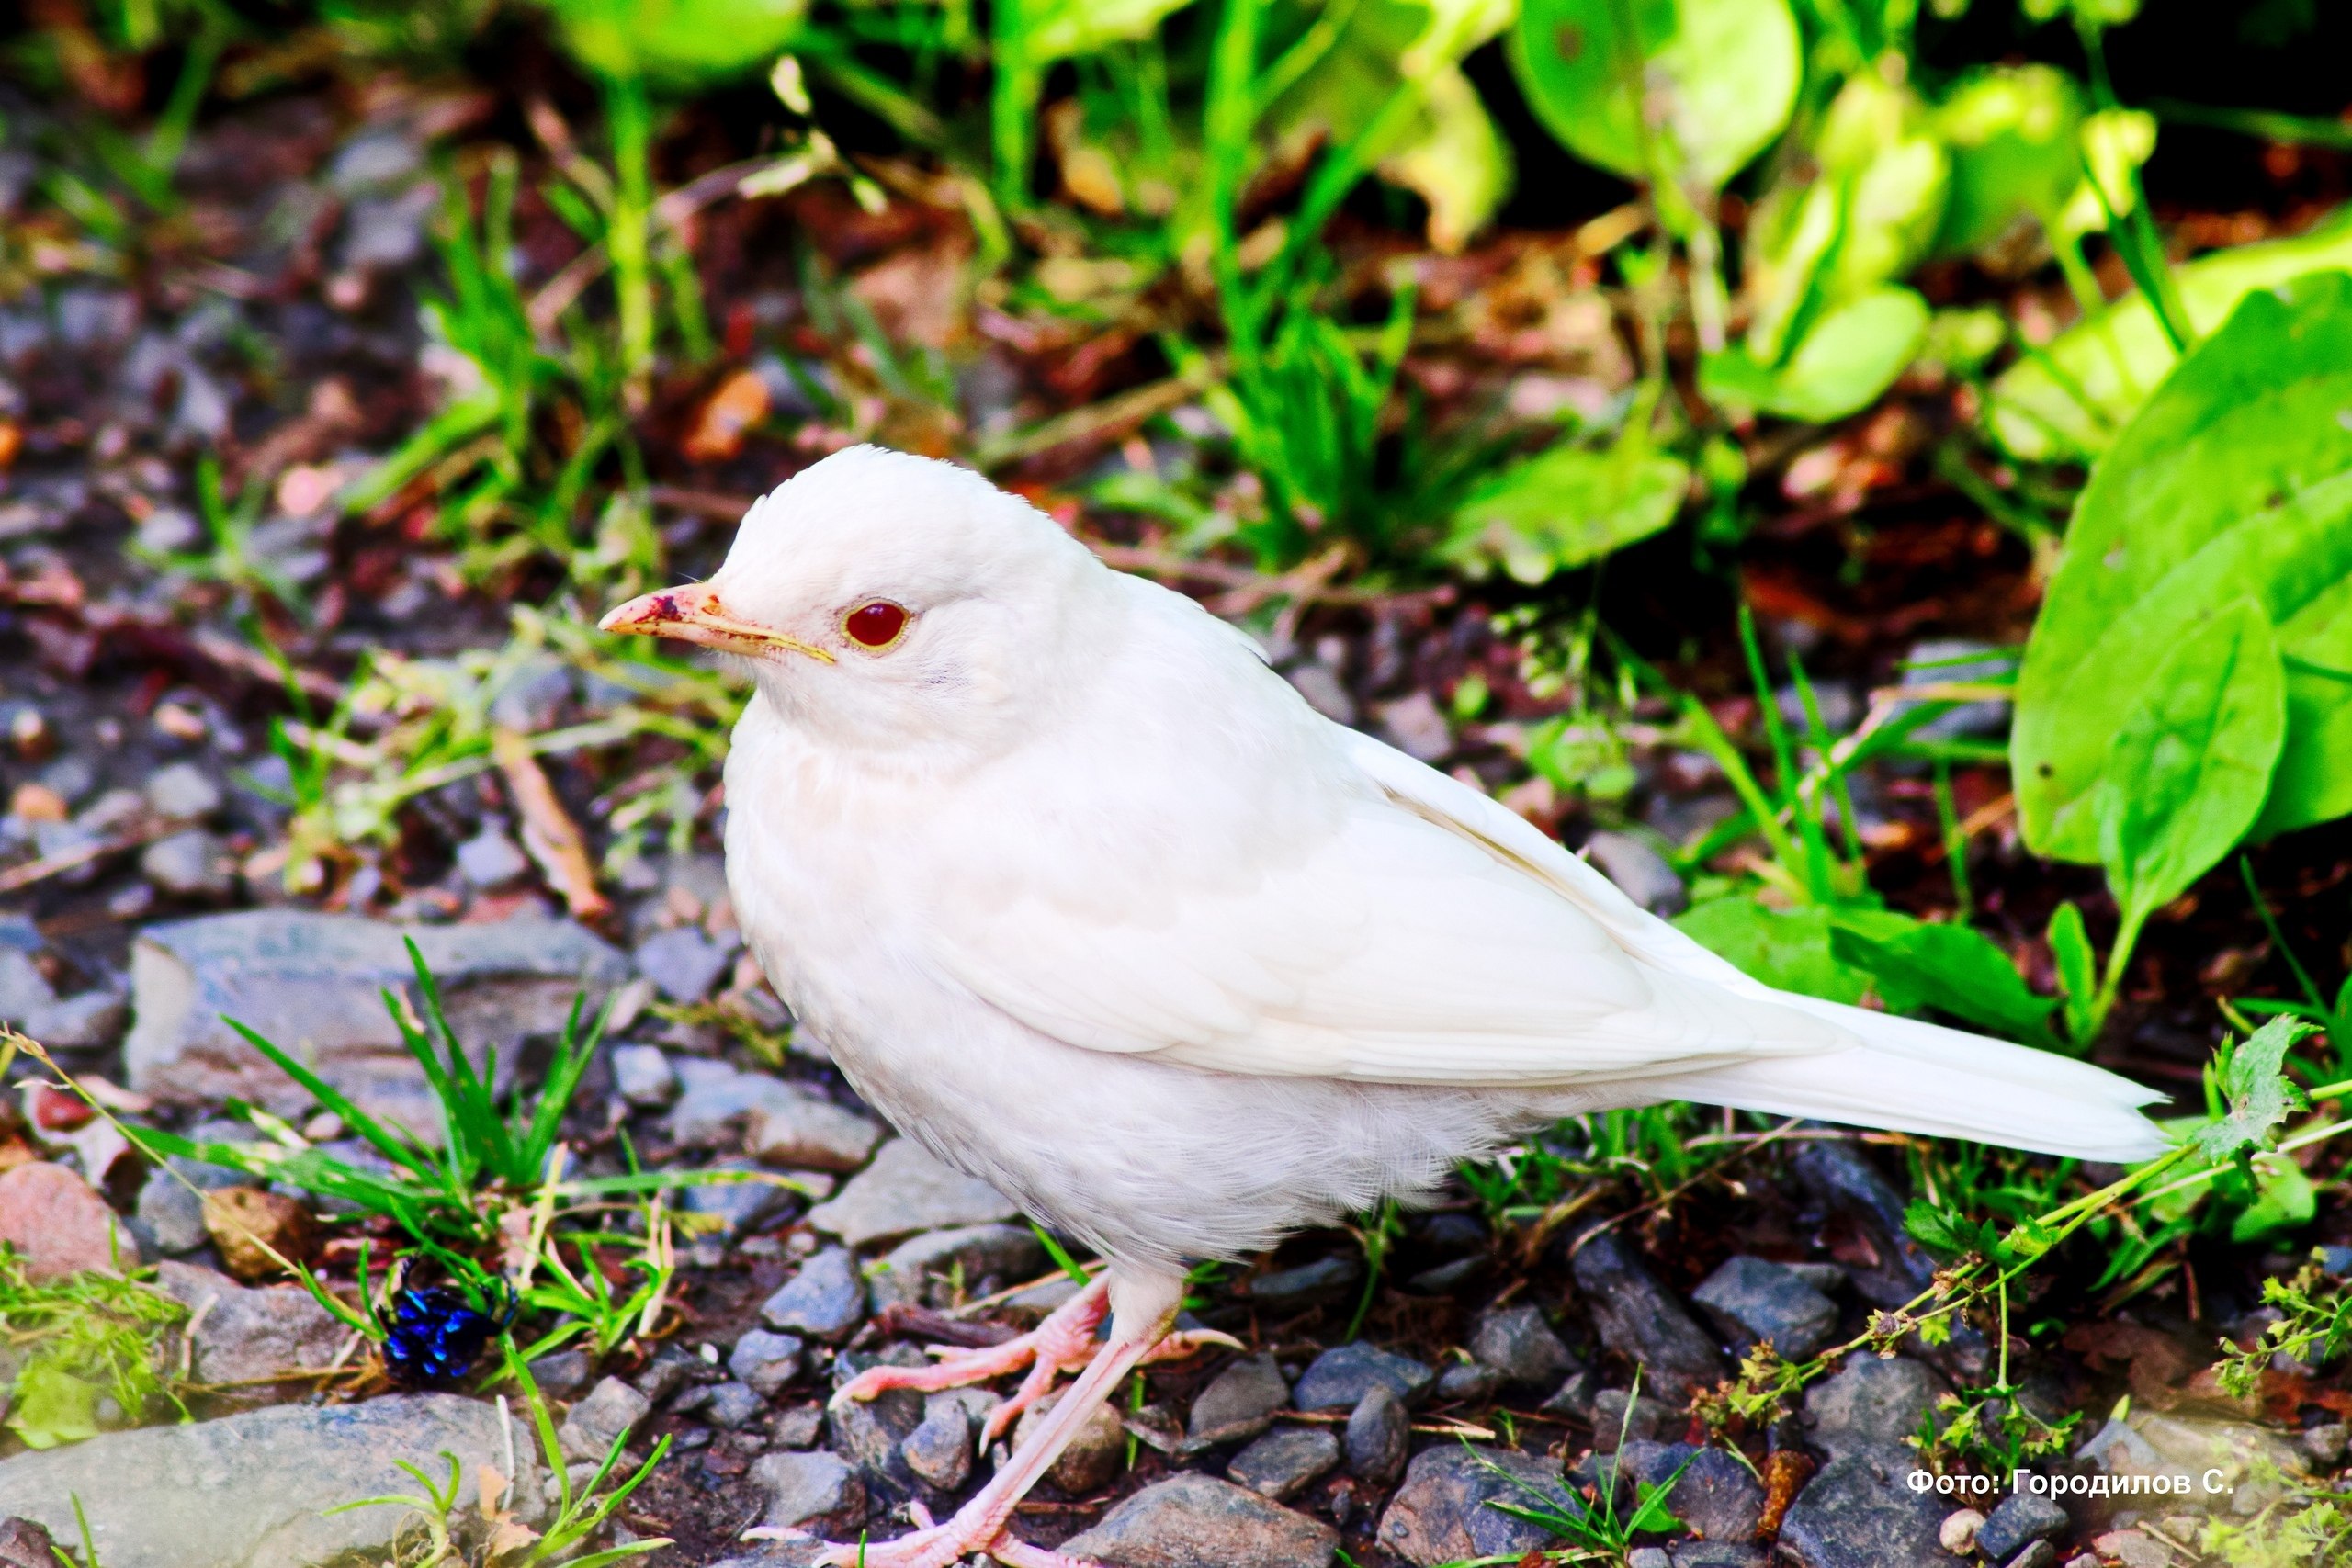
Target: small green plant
[81, 1343]
[231, 558]
[496, 1540]
[1595, 1527]
[2313, 1326]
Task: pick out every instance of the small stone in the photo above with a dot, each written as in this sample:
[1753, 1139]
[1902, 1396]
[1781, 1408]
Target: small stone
[563, 1374]
[766, 1360]
[906, 1191]
[2038, 1555]
[1639, 870]
[1238, 1403]
[733, 1404]
[57, 1223]
[1620, 1416]
[1716, 1496]
[249, 1337]
[1415, 727]
[190, 865]
[870, 1433]
[815, 1491]
[1092, 1459]
[643, 1077]
[1468, 1382]
[1957, 1534]
[1648, 1557]
[1442, 1514]
[1291, 1290]
[1842, 1182]
[258, 1232]
[1860, 1512]
[1379, 1436]
[1325, 692]
[24, 1544]
[491, 860]
[1751, 1299]
[609, 1413]
[669, 1370]
[1518, 1342]
[2325, 1443]
[1641, 1320]
[804, 1130]
[798, 1427]
[183, 792]
[940, 1450]
[1338, 1379]
[2132, 1549]
[1285, 1461]
[1870, 1401]
[2020, 1518]
[934, 1269]
[1196, 1522]
[682, 962]
[173, 1215]
[824, 1301]
[1721, 1554]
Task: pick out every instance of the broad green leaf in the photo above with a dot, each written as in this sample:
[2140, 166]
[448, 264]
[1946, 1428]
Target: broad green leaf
[51, 1405]
[1947, 1232]
[2257, 1091]
[2235, 480]
[1567, 506]
[2185, 775]
[679, 42]
[2071, 398]
[1852, 354]
[1447, 150]
[2013, 136]
[1953, 969]
[1721, 76]
[1064, 29]
[2283, 1200]
[1787, 949]
[1459, 165]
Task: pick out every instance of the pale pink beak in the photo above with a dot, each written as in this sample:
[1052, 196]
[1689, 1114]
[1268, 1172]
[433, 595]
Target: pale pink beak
[692, 614]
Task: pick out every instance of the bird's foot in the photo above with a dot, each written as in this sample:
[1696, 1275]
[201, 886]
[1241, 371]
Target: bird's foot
[973, 1530]
[1065, 1341]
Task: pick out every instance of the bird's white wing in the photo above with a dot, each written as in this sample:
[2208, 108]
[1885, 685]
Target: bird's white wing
[1400, 946]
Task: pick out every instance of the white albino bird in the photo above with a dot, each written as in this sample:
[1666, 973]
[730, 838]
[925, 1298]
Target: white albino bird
[1088, 902]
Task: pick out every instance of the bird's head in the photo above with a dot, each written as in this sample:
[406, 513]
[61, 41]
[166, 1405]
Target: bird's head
[888, 600]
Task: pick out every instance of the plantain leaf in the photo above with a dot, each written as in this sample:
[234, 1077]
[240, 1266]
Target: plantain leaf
[2235, 481]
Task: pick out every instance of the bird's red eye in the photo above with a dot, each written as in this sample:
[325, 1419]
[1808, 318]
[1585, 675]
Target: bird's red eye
[874, 624]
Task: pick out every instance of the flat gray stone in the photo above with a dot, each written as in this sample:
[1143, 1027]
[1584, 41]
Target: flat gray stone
[608, 1414]
[766, 1360]
[1239, 1402]
[311, 984]
[683, 963]
[925, 1269]
[1639, 870]
[251, 1490]
[182, 791]
[191, 863]
[733, 1404]
[906, 1191]
[492, 859]
[825, 1300]
[802, 1130]
[1860, 1512]
[1752, 1299]
[1642, 1321]
[1379, 1436]
[815, 1491]
[643, 1077]
[251, 1335]
[1197, 1521]
[1442, 1514]
[1339, 1377]
[2019, 1518]
[1518, 1342]
[1869, 1402]
[173, 1215]
[940, 1450]
[1285, 1461]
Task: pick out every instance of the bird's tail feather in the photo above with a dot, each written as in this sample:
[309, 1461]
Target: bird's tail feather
[1920, 1078]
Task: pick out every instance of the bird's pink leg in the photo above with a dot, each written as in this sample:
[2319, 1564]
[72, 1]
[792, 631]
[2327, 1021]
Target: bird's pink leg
[1143, 1309]
[1064, 1342]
